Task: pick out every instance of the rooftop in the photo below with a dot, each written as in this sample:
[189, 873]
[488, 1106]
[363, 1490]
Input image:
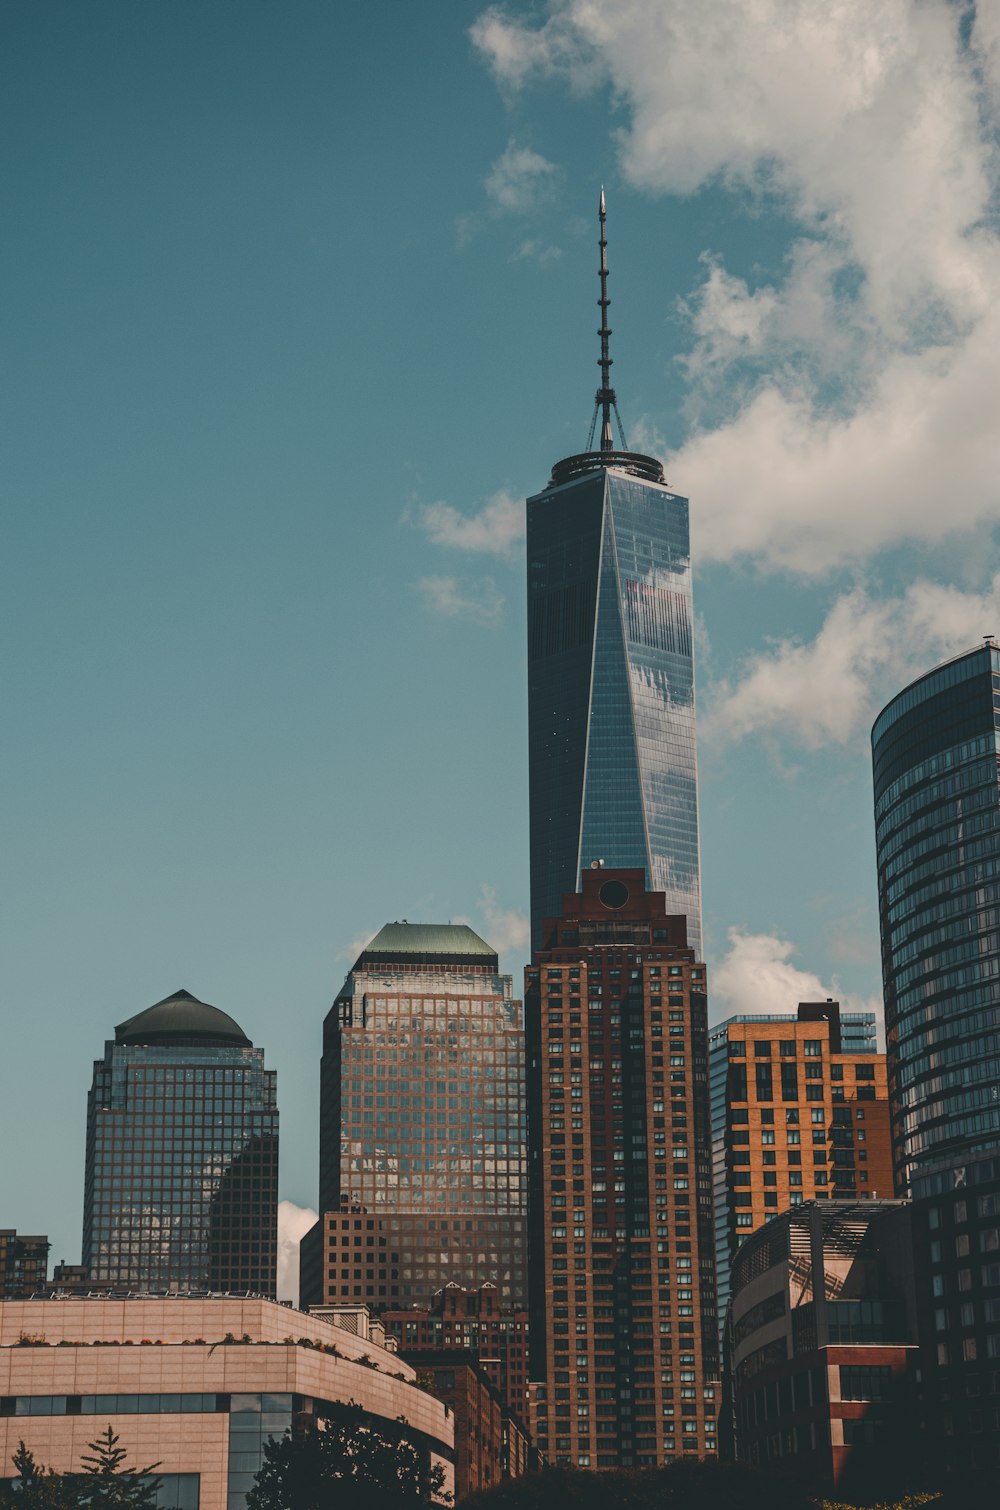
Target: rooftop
[181, 1019]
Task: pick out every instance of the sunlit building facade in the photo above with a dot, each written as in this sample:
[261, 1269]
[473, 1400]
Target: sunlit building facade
[181, 1186]
[422, 1126]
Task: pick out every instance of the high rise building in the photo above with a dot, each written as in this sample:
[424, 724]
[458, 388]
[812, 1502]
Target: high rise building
[937, 818]
[935, 749]
[612, 762]
[622, 1298]
[182, 1155]
[422, 1126]
[800, 1112]
[24, 1263]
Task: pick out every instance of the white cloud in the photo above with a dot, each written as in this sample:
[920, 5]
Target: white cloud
[478, 602]
[516, 178]
[497, 529]
[536, 251]
[757, 975]
[507, 929]
[293, 1223]
[828, 690]
[860, 384]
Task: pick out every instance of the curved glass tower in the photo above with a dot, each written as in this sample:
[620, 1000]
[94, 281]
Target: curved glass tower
[611, 732]
[937, 816]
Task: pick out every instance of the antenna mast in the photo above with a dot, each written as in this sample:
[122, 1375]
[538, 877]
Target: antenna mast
[605, 399]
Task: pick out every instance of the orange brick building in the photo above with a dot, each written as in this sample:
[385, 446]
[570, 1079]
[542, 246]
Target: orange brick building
[798, 1114]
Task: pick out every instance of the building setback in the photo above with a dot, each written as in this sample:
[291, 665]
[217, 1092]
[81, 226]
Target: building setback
[623, 1315]
[422, 1126]
[181, 1186]
[611, 717]
[799, 1113]
[24, 1264]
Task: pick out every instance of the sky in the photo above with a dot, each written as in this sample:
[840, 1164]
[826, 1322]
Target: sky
[297, 304]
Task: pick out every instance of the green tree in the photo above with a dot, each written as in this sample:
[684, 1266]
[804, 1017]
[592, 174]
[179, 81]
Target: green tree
[40, 1488]
[346, 1461]
[680, 1486]
[106, 1484]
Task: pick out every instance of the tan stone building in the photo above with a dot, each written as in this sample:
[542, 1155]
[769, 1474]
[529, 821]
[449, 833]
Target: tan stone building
[196, 1385]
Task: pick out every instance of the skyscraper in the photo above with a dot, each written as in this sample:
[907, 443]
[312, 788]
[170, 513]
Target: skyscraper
[937, 816]
[622, 1297]
[422, 1126]
[612, 763]
[182, 1155]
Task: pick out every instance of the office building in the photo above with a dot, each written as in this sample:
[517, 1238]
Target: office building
[937, 816]
[422, 1126]
[611, 719]
[800, 1112]
[24, 1263]
[490, 1443]
[476, 1321]
[196, 1385]
[624, 1344]
[822, 1338]
[182, 1155]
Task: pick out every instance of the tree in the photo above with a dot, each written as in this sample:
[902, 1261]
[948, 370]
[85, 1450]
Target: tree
[106, 1484]
[680, 1486]
[39, 1488]
[346, 1460]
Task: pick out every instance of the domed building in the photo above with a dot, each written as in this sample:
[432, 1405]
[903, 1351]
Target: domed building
[181, 1185]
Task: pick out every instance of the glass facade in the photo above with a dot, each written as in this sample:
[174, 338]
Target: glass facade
[611, 712]
[182, 1164]
[937, 814]
[423, 1125]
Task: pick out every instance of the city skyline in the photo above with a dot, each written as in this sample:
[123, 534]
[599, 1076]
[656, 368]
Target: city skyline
[268, 434]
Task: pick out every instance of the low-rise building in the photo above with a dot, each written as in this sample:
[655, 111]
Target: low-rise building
[24, 1264]
[490, 1445]
[821, 1340]
[195, 1384]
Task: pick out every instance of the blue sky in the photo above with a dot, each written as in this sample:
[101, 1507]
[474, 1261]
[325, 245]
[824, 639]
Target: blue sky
[298, 304]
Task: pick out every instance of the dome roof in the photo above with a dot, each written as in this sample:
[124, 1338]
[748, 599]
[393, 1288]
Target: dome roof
[181, 1019]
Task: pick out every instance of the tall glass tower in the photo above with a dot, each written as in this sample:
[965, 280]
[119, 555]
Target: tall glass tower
[182, 1155]
[937, 814]
[611, 713]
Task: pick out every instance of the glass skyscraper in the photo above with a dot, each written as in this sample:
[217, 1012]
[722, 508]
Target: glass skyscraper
[423, 1177]
[937, 816]
[611, 713]
[182, 1156]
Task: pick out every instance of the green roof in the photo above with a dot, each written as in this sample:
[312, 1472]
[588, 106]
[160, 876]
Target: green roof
[182, 1018]
[438, 940]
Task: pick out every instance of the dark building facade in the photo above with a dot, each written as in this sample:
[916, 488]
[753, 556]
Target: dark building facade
[822, 1344]
[611, 718]
[181, 1184]
[24, 1263]
[422, 1126]
[937, 819]
[937, 814]
[799, 1113]
[490, 1443]
[624, 1342]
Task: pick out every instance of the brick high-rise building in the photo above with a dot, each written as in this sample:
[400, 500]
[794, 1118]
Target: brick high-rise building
[799, 1113]
[623, 1312]
[474, 1320]
[24, 1263]
[422, 1126]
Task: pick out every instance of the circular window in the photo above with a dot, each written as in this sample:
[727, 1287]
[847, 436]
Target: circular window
[614, 893]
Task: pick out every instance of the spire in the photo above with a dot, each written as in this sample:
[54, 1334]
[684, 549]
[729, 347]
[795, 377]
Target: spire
[605, 399]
